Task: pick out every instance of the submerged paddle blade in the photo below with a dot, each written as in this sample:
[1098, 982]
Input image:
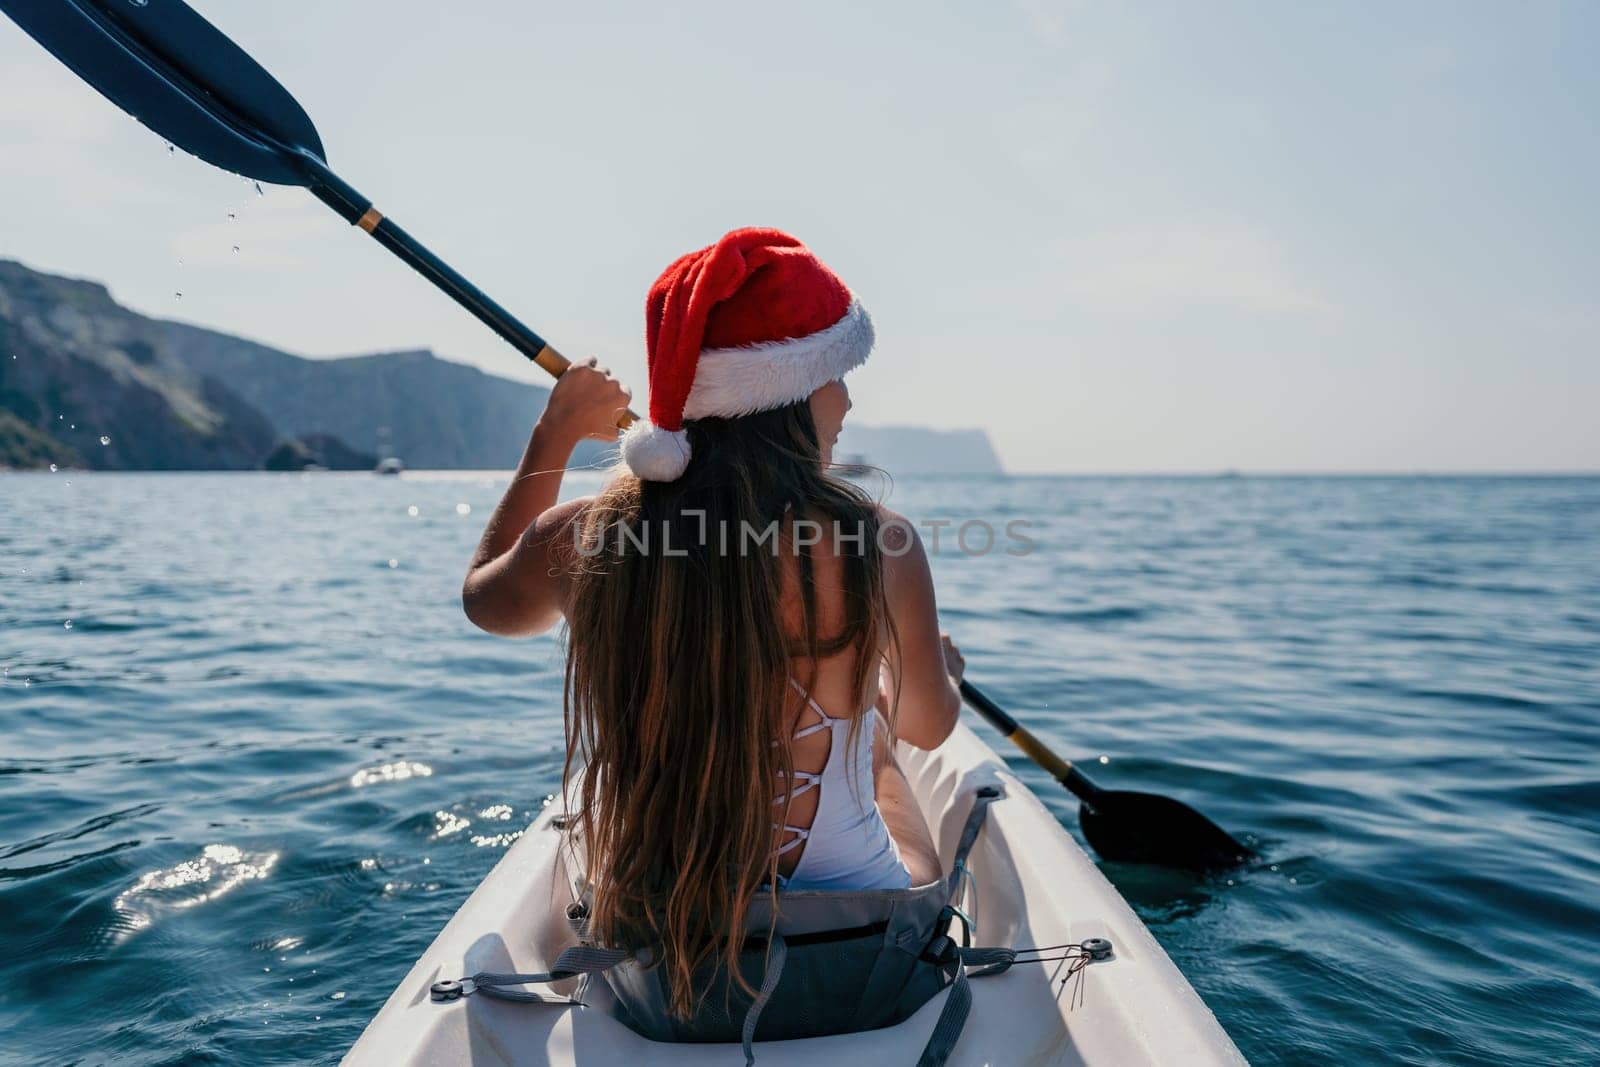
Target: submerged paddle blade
[1131, 827]
[162, 63]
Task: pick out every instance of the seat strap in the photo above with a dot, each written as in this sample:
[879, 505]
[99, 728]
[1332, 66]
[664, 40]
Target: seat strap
[777, 953]
[952, 1020]
[958, 1001]
[981, 799]
[979, 962]
[579, 959]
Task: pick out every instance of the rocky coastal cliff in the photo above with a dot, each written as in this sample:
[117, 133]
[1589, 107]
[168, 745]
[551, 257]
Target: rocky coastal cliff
[77, 369]
[85, 382]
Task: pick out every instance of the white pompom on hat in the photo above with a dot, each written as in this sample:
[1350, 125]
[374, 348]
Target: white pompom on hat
[751, 323]
[654, 454]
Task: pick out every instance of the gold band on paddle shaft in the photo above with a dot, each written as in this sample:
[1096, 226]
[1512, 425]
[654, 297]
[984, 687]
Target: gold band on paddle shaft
[551, 361]
[370, 220]
[1034, 749]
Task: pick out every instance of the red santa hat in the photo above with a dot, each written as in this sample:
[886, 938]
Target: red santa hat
[751, 323]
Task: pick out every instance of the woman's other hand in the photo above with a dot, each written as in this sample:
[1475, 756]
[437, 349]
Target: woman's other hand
[586, 402]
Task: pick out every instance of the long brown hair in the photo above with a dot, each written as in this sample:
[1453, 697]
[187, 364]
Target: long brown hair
[678, 668]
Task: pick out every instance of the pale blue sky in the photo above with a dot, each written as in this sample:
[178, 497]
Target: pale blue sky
[1173, 237]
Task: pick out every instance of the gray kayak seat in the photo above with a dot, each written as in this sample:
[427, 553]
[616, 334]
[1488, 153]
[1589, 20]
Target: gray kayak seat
[836, 962]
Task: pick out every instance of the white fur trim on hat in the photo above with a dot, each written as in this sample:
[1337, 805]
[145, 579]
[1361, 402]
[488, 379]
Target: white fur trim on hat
[730, 382]
[654, 454]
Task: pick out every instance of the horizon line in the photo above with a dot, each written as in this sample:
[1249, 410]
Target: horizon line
[1214, 475]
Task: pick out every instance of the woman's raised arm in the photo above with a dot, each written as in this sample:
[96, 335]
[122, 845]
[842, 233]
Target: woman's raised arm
[514, 586]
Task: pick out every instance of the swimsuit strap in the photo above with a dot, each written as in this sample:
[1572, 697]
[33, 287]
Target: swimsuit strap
[800, 834]
[824, 720]
[808, 780]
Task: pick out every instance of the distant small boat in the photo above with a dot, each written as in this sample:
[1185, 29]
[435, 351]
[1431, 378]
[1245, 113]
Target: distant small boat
[389, 465]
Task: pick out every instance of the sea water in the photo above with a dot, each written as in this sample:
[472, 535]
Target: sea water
[269, 758]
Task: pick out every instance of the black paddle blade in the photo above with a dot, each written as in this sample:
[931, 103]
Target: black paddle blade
[1130, 827]
[162, 63]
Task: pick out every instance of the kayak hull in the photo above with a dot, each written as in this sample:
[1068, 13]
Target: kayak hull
[1033, 885]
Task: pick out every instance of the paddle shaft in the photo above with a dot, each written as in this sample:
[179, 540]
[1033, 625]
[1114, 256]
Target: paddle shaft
[358, 211]
[1059, 769]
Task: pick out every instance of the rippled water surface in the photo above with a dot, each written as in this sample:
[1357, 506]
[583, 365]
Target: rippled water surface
[268, 758]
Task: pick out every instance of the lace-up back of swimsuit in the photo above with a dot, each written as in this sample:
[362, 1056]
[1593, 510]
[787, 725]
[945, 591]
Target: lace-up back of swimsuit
[847, 845]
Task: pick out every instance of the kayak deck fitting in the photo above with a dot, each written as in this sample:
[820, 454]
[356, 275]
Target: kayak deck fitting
[1032, 885]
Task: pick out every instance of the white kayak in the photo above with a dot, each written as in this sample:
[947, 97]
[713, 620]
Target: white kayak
[1034, 886]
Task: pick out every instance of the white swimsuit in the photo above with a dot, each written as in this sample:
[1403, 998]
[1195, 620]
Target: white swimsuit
[847, 845]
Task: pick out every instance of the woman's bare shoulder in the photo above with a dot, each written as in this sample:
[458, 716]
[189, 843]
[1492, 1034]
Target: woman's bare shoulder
[555, 522]
[899, 545]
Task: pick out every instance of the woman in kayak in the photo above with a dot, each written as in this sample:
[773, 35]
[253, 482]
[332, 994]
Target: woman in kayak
[747, 632]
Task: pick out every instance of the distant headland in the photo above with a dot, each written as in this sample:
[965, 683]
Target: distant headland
[86, 382]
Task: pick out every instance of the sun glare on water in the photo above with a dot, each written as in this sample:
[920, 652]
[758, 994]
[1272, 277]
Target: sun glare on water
[218, 870]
